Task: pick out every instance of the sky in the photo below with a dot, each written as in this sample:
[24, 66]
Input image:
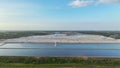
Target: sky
[60, 15]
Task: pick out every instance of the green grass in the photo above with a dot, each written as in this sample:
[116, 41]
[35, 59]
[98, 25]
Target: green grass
[58, 62]
[55, 66]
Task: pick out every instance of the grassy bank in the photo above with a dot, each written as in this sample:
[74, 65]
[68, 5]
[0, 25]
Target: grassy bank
[56, 66]
[53, 62]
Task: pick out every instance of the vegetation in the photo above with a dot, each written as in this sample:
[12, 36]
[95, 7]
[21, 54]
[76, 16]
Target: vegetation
[17, 34]
[59, 60]
[112, 34]
[55, 66]
[53, 62]
[9, 35]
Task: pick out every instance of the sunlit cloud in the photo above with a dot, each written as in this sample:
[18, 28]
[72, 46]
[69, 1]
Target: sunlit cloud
[79, 3]
[83, 3]
[109, 1]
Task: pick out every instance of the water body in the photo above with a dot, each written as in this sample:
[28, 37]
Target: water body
[72, 50]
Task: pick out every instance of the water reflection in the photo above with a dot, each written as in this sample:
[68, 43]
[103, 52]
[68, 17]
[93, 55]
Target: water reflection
[99, 50]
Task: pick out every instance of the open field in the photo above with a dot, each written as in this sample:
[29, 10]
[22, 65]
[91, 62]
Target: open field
[56, 66]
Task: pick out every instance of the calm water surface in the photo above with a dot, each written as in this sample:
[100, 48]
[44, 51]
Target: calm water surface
[96, 50]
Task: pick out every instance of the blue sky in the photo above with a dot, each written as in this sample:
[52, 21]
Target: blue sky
[59, 14]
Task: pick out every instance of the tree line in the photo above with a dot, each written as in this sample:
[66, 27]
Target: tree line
[60, 60]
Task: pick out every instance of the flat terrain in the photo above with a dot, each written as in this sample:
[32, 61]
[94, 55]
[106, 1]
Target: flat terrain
[62, 39]
[56, 66]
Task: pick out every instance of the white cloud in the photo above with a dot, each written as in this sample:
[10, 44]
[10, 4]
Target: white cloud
[83, 3]
[109, 1]
[79, 3]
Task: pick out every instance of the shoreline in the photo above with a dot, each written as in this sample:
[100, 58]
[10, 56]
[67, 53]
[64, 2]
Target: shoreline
[56, 43]
[82, 57]
[99, 57]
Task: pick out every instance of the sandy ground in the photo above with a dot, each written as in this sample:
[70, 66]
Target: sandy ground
[62, 39]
